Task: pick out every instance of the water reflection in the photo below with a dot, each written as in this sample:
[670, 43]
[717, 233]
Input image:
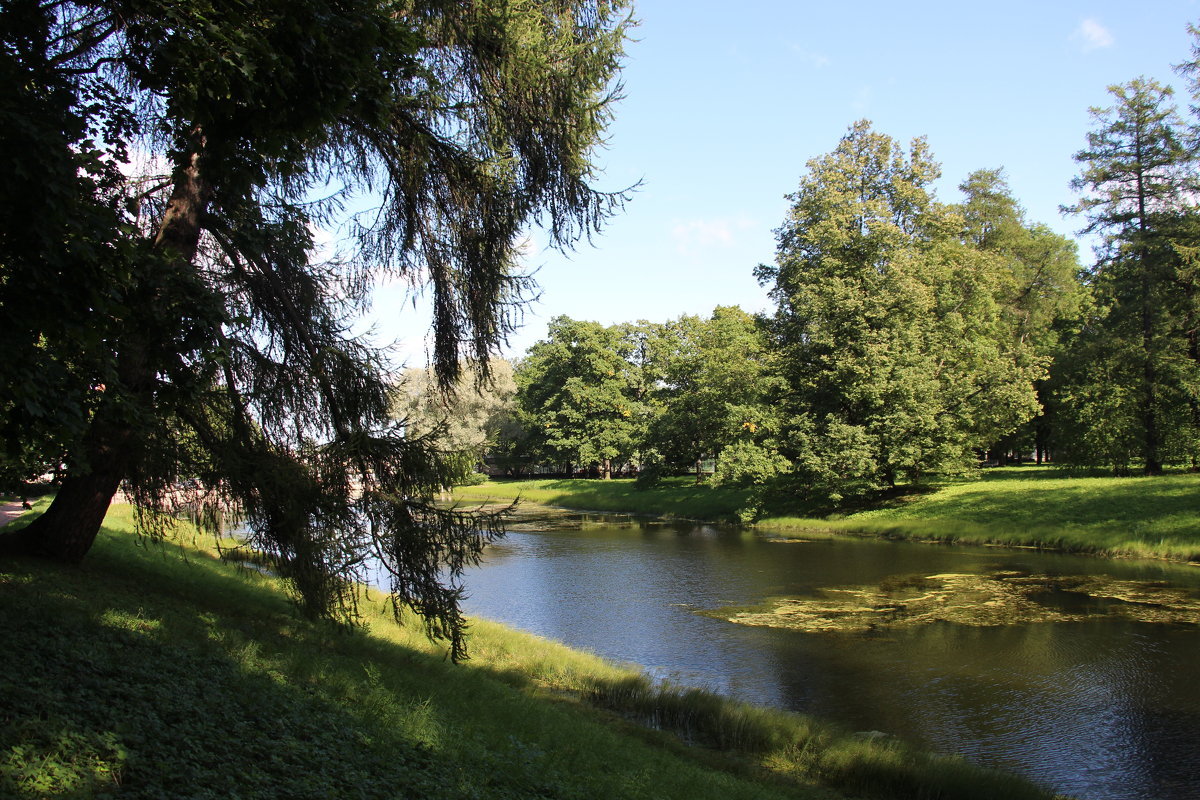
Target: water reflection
[1104, 708]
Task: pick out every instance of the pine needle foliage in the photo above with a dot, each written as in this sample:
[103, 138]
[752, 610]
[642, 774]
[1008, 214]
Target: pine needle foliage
[431, 133]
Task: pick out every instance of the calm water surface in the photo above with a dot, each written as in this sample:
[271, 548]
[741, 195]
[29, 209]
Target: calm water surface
[1104, 709]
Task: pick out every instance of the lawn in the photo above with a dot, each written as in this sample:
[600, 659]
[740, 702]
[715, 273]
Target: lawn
[675, 497]
[1156, 517]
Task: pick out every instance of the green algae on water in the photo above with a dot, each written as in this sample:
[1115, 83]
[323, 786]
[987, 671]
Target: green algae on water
[1002, 597]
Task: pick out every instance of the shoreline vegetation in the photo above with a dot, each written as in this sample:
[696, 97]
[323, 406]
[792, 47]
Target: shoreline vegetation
[1044, 507]
[152, 668]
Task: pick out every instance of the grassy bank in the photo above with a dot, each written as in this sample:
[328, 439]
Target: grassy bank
[1040, 507]
[156, 671]
[1019, 506]
[675, 497]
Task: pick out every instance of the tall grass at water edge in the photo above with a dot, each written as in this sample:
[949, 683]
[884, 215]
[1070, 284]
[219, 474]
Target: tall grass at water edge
[160, 670]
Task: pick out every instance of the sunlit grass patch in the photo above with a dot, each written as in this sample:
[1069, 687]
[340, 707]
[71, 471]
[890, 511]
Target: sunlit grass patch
[679, 497]
[1157, 517]
[1044, 507]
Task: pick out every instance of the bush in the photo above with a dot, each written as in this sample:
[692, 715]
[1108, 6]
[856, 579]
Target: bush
[746, 464]
[474, 479]
[651, 471]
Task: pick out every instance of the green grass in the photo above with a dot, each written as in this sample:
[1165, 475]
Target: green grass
[155, 671]
[676, 497]
[1027, 506]
[1044, 507]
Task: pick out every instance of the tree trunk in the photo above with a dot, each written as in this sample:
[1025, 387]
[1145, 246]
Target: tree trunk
[68, 528]
[1041, 426]
[1152, 442]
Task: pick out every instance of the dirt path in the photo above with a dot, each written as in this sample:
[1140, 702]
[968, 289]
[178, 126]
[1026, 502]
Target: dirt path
[10, 511]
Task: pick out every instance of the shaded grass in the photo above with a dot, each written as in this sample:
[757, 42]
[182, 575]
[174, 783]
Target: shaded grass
[157, 671]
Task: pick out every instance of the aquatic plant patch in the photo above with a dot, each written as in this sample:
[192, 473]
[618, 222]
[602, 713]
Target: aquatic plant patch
[1002, 597]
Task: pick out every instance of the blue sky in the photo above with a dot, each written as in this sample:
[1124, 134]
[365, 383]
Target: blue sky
[725, 103]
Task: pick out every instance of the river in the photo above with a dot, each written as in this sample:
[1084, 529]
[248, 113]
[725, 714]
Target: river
[1095, 704]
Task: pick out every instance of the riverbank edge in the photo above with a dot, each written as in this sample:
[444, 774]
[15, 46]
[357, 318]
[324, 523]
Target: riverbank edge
[964, 533]
[773, 753]
[1075, 540]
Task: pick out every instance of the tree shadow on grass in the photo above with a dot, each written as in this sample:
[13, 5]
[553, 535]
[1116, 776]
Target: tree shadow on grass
[138, 675]
[107, 694]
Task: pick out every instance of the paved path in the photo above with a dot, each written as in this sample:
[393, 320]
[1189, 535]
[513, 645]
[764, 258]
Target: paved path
[10, 511]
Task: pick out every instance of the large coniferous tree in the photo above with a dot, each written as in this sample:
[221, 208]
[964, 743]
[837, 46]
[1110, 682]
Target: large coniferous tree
[1136, 174]
[223, 350]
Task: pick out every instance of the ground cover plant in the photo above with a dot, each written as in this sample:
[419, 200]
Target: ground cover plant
[165, 671]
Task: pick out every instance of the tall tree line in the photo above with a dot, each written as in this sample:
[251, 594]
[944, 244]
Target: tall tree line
[912, 336]
[1129, 385]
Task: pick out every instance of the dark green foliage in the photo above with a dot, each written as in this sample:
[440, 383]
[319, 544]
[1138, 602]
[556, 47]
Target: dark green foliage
[59, 216]
[220, 347]
[1128, 386]
[667, 396]
[1039, 288]
[898, 350]
[717, 383]
[577, 394]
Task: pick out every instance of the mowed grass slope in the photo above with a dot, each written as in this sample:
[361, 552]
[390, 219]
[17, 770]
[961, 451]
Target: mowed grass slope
[1155, 517]
[1019, 506]
[162, 671]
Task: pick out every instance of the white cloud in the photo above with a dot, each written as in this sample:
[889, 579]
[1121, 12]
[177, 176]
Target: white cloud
[862, 100]
[691, 236]
[1092, 35]
[813, 59]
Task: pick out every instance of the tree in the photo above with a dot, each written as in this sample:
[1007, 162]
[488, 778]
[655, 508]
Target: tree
[577, 391]
[891, 328]
[1135, 177]
[716, 379]
[458, 123]
[468, 419]
[1038, 284]
[58, 217]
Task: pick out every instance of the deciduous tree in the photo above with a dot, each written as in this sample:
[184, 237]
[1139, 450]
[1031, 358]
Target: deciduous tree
[716, 386]
[891, 327]
[1038, 287]
[577, 391]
